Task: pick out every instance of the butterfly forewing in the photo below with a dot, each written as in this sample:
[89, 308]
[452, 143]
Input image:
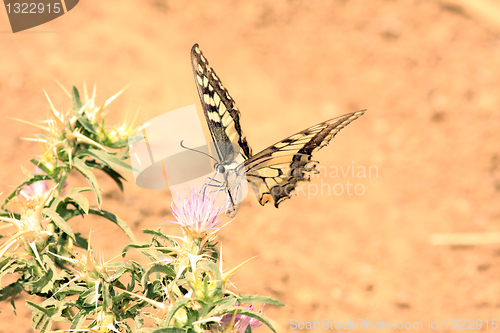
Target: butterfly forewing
[222, 117]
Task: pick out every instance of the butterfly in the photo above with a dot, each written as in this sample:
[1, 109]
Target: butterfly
[274, 172]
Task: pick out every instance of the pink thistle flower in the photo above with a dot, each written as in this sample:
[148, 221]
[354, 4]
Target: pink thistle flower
[198, 213]
[38, 189]
[241, 322]
[34, 192]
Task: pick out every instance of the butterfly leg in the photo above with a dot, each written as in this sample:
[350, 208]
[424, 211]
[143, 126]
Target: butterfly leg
[212, 183]
[218, 187]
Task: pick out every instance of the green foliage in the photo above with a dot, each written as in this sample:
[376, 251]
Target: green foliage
[182, 288]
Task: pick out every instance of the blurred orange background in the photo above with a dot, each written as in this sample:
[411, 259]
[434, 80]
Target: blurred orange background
[427, 71]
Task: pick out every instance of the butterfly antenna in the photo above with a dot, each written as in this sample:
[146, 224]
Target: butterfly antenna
[198, 151]
[205, 185]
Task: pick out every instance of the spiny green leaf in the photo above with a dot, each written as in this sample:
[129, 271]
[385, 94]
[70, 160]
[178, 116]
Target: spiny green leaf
[220, 305]
[171, 330]
[107, 158]
[67, 214]
[75, 96]
[158, 234]
[213, 267]
[258, 299]
[11, 290]
[110, 172]
[48, 311]
[76, 198]
[13, 305]
[87, 125]
[81, 242]
[39, 319]
[72, 289]
[80, 165]
[60, 306]
[87, 298]
[79, 320]
[80, 200]
[78, 190]
[13, 266]
[159, 268]
[59, 221]
[117, 274]
[118, 144]
[42, 285]
[135, 245]
[120, 264]
[149, 255]
[113, 218]
[41, 166]
[138, 321]
[4, 262]
[107, 301]
[178, 304]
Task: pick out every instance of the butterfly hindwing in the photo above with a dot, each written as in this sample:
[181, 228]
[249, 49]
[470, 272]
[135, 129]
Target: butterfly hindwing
[222, 117]
[274, 172]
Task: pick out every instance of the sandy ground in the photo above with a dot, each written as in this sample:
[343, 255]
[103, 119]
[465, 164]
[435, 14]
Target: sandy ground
[427, 71]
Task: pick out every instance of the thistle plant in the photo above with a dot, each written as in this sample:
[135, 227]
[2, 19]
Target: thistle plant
[180, 287]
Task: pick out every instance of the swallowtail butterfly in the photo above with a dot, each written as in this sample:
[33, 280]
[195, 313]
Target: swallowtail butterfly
[274, 172]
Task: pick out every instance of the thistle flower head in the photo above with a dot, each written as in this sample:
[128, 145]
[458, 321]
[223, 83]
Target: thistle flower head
[31, 196]
[32, 227]
[106, 322]
[37, 189]
[86, 266]
[198, 214]
[121, 132]
[65, 132]
[238, 323]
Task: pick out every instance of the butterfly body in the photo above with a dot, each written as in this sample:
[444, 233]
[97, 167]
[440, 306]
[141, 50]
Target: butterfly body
[274, 172]
[232, 181]
[231, 174]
